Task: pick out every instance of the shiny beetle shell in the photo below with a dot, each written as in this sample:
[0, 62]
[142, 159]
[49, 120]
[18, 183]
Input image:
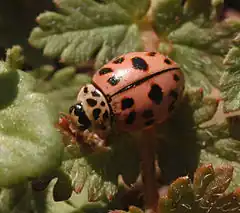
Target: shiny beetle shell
[141, 88]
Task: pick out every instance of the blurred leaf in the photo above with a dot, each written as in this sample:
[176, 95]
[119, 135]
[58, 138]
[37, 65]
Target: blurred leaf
[30, 145]
[231, 77]
[76, 203]
[83, 30]
[193, 38]
[22, 199]
[205, 194]
[16, 200]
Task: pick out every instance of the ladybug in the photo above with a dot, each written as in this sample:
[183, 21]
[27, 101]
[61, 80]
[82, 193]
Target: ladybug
[132, 92]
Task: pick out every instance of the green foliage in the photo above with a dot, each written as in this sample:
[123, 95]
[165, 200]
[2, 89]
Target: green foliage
[207, 193]
[83, 30]
[87, 30]
[61, 86]
[231, 77]
[96, 172]
[196, 41]
[30, 145]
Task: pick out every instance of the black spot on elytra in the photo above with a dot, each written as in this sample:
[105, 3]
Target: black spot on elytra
[156, 94]
[105, 115]
[91, 102]
[139, 63]
[127, 103]
[85, 90]
[95, 94]
[102, 103]
[151, 53]
[104, 71]
[149, 123]
[118, 60]
[148, 113]
[131, 118]
[113, 80]
[176, 77]
[96, 113]
[167, 61]
[174, 94]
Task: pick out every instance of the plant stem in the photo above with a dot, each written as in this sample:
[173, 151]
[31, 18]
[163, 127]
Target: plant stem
[148, 170]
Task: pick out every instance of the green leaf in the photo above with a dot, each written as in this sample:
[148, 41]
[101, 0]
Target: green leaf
[195, 127]
[184, 196]
[30, 145]
[60, 86]
[86, 172]
[199, 44]
[231, 77]
[21, 198]
[207, 157]
[195, 40]
[83, 30]
[98, 173]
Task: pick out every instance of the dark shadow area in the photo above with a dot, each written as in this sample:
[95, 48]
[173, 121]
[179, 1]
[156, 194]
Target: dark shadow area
[233, 4]
[17, 19]
[8, 88]
[178, 152]
[234, 123]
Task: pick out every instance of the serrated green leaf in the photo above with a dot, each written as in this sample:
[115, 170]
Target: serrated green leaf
[98, 173]
[28, 148]
[182, 193]
[202, 177]
[231, 77]
[211, 184]
[195, 40]
[83, 30]
[61, 86]
[192, 128]
[207, 157]
[199, 45]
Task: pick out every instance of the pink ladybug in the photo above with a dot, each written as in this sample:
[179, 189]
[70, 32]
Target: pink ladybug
[132, 92]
